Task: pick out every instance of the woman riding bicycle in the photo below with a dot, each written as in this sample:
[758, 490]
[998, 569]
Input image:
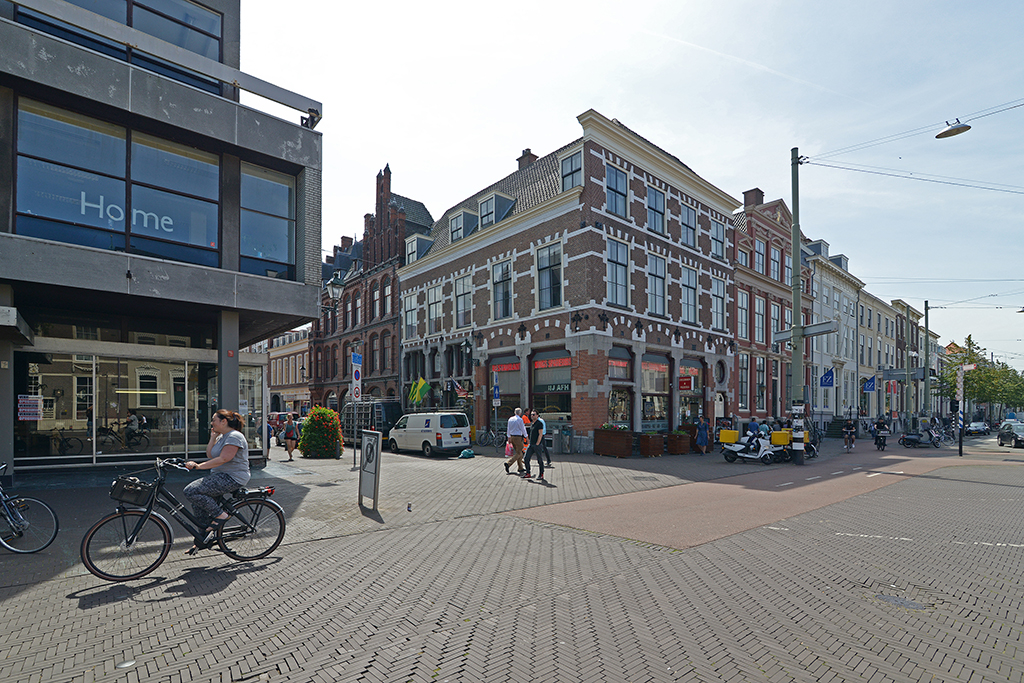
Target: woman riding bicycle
[849, 434]
[228, 454]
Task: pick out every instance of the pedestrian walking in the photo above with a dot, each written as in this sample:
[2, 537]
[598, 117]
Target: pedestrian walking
[536, 446]
[291, 436]
[516, 433]
[544, 440]
[702, 435]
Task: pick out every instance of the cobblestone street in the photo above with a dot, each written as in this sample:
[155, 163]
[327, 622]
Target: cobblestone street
[895, 566]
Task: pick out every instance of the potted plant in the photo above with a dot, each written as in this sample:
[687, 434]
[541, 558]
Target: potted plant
[614, 440]
[678, 442]
[321, 434]
[652, 444]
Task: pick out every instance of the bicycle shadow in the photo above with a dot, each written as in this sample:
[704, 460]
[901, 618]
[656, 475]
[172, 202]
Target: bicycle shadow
[193, 582]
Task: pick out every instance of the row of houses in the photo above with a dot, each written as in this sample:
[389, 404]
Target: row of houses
[606, 282]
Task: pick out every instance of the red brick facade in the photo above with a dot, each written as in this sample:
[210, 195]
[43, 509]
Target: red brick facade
[584, 351]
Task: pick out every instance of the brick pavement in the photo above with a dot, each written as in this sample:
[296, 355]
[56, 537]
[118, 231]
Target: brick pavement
[917, 580]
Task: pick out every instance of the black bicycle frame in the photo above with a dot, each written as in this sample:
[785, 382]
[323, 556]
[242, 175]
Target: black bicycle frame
[175, 511]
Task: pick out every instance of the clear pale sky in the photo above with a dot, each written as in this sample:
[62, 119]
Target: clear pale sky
[450, 93]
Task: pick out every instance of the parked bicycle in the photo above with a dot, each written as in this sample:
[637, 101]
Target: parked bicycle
[29, 524]
[135, 539]
[110, 437]
[489, 437]
[66, 445]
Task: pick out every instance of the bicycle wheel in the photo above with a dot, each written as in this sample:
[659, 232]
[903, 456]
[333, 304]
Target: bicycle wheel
[31, 525]
[72, 446]
[106, 554]
[254, 530]
[499, 440]
[138, 442]
[483, 438]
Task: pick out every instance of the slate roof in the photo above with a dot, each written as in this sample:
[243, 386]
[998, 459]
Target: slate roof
[528, 187]
[415, 212]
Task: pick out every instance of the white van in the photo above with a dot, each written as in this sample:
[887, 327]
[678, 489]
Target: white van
[430, 433]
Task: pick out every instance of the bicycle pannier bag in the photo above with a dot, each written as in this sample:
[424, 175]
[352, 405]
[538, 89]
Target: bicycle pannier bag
[130, 490]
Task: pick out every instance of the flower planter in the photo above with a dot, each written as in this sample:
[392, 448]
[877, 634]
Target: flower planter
[614, 442]
[678, 444]
[651, 445]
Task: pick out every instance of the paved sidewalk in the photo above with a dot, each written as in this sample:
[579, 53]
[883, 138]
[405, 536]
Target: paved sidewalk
[779, 576]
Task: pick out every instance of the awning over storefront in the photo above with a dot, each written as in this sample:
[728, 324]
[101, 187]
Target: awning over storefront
[13, 327]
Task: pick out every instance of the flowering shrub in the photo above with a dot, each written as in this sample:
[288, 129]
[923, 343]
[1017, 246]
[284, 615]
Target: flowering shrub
[609, 425]
[321, 434]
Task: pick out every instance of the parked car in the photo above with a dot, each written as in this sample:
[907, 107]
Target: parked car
[1011, 433]
[430, 433]
[976, 428]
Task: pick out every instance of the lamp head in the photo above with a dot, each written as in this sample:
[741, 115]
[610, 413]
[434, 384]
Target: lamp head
[952, 129]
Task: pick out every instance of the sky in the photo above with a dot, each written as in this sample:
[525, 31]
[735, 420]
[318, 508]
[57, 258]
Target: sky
[450, 93]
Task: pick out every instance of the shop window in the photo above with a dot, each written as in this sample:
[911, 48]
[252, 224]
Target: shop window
[552, 383]
[620, 364]
[656, 392]
[620, 407]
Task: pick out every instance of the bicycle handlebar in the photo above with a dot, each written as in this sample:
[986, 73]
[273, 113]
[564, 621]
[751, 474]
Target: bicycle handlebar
[178, 463]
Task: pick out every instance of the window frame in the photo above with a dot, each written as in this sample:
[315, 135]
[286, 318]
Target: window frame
[717, 239]
[689, 295]
[617, 268]
[501, 288]
[613, 193]
[718, 295]
[742, 314]
[689, 229]
[455, 226]
[655, 212]
[574, 175]
[555, 285]
[435, 300]
[657, 284]
[464, 301]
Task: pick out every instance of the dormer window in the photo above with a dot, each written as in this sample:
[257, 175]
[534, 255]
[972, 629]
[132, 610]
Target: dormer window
[487, 212]
[572, 171]
[410, 251]
[455, 224]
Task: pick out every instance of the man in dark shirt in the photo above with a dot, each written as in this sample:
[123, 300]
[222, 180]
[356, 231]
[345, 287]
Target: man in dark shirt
[536, 446]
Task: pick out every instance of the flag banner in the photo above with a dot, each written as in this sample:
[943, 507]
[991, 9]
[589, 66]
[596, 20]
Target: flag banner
[459, 390]
[829, 378]
[869, 385]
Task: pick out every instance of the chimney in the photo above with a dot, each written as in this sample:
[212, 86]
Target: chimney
[346, 244]
[753, 197]
[527, 158]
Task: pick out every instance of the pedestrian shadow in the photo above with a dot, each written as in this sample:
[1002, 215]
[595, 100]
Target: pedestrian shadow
[543, 482]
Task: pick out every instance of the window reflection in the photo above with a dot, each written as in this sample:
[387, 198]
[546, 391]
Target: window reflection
[175, 167]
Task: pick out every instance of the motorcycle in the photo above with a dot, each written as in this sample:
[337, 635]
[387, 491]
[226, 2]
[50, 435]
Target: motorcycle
[880, 439]
[915, 440]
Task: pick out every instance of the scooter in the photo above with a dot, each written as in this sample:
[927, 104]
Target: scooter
[753, 446]
[756, 445]
[880, 439]
[915, 440]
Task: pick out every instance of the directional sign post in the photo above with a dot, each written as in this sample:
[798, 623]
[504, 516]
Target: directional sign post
[960, 398]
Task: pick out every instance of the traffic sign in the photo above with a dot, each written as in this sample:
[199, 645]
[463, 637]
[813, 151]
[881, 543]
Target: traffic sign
[497, 395]
[971, 366]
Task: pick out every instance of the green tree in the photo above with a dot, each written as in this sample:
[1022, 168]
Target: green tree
[321, 434]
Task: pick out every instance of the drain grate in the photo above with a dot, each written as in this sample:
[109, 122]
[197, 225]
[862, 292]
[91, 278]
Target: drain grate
[901, 602]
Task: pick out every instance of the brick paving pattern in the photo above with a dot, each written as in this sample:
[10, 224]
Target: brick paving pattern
[917, 580]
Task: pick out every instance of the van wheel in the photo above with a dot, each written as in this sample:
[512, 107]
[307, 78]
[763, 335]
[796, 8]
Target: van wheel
[428, 450]
[393, 446]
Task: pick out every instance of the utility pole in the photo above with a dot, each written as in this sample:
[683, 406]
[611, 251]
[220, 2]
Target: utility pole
[797, 387]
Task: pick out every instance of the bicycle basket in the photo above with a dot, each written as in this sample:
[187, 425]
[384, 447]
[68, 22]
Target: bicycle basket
[130, 490]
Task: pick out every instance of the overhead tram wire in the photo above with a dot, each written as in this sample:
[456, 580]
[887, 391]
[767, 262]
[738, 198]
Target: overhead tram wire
[914, 177]
[999, 108]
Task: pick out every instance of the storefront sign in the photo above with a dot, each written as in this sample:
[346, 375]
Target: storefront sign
[686, 384]
[552, 388]
[687, 371]
[655, 367]
[553, 363]
[505, 367]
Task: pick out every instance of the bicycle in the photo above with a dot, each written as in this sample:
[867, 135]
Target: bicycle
[110, 436]
[848, 441]
[488, 437]
[66, 445]
[134, 540]
[29, 524]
